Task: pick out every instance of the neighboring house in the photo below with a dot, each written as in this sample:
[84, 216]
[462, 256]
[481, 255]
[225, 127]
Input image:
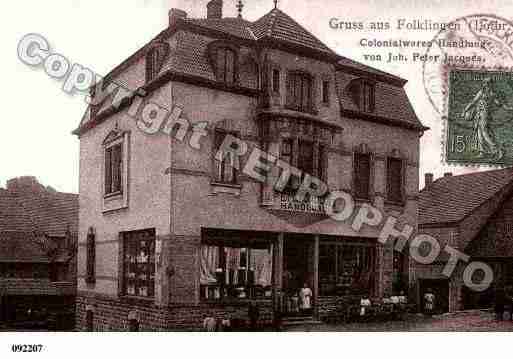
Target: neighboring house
[472, 213]
[38, 235]
[168, 235]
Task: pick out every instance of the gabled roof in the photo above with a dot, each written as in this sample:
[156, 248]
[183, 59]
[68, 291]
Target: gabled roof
[29, 210]
[451, 199]
[28, 206]
[277, 25]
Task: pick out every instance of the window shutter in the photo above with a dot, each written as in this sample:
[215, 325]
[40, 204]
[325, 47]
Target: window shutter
[290, 90]
[322, 162]
[230, 67]
[395, 179]
[221, 65]
[372, 99]
[362, 175]
[90, 257]
[108, 171]
[276, 80]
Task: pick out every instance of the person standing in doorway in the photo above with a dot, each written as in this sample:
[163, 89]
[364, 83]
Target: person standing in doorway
[429, 302]
[305, 296]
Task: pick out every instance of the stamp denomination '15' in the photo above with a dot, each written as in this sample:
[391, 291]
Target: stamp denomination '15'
[480, 117]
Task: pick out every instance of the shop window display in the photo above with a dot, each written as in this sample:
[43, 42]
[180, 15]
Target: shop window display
[346, 268]
[235, 272]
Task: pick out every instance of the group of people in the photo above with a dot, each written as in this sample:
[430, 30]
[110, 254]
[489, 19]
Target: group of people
[300, 301]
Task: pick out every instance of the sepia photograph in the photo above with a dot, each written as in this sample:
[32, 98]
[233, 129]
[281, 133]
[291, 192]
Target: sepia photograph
[211, 171]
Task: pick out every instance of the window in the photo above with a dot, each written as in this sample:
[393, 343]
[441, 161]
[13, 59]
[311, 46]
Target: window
[231, 270]
[225, 169]
[395, 180]
[276, 80]
[113, 169]
[310, 158]
[155, 59]
[362, 175]
[225, 62]
[139, 263]
[367, 97]
[326, 92]
[299, 92]
[91, 257]
[346, 268]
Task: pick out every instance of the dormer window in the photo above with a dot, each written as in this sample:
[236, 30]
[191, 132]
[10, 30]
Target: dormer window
[368, 101]
[224, 59]
[300, 92]
[155, 59]
[226, 65]
[363, 94]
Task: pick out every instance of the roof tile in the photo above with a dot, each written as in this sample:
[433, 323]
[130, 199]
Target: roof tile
[451, 199]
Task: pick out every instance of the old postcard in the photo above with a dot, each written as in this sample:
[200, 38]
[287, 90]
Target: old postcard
[255, 166]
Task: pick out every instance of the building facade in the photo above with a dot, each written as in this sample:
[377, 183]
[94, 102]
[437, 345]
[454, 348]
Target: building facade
[470, 213]
[38, 241]
[170, 235]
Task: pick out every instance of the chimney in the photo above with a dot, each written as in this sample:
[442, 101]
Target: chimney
[428, 180]
[215, 9]
[448, 174]
[25, 184]
[175, 15]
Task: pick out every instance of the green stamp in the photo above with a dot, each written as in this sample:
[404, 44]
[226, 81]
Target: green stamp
[479, 128]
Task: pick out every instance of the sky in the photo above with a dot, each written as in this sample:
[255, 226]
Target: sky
[38, 117]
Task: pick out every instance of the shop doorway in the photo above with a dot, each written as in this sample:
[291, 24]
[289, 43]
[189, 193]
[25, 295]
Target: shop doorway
[440, 288]
[298, 274]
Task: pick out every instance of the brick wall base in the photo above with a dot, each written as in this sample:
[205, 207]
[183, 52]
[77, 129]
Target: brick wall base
[111, 314]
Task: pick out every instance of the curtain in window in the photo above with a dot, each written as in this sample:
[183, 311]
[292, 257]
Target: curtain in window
[261, 265]
[209, 262]
[232, 264]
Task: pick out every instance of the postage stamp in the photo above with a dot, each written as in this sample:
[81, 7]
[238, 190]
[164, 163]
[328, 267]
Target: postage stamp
[479, 128]
[491, 38]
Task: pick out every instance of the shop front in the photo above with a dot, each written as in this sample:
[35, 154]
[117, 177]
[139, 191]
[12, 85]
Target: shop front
[295, 273]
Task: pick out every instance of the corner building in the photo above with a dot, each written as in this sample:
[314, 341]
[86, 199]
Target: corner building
[169, 235]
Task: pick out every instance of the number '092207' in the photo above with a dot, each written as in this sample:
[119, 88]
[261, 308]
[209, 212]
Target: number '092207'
[27, 348]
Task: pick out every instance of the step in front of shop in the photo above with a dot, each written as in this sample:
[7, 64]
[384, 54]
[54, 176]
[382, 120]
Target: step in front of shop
[298, 321]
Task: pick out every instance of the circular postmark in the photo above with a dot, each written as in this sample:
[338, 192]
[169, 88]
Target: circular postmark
[481, 40]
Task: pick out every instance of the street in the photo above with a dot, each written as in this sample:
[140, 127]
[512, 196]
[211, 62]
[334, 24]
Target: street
[470, 321]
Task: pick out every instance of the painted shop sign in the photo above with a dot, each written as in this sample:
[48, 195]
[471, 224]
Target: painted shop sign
[290, 203]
